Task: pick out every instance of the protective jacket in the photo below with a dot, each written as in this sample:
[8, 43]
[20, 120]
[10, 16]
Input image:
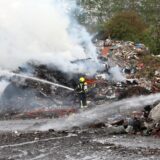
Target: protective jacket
[81, 90]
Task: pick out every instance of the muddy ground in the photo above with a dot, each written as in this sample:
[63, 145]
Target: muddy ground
[80, 144]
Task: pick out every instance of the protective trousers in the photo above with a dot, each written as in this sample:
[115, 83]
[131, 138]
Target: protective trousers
[83, 101]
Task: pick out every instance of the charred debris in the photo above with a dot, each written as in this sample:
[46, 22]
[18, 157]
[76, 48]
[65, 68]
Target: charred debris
[26, 98]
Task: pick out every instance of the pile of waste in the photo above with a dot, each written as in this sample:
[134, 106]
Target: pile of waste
[134, 60]
[129, 57]
[29, 98]
[145, 122]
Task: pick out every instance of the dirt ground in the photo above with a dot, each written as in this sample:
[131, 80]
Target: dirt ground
[80, 144]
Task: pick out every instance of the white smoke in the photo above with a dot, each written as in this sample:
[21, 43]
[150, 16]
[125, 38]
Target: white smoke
[116, 74]
[42, 30]
[102, 112]
[3, 85]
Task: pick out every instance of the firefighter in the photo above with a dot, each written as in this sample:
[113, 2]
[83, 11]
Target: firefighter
[81, 89]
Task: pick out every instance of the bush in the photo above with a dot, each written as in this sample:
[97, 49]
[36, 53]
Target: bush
[152, 39]
[125, 26]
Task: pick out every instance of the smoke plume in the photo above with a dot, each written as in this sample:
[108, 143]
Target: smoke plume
[43, 31]
[102, 112]
[3, 85]
[116, 74]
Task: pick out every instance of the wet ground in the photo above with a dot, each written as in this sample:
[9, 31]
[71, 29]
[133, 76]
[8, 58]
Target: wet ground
[18, 143]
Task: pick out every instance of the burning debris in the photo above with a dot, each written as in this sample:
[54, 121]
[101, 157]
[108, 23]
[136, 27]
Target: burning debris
[110, 74]
[103, 86]
[130, 56]
[41, 83]
[42, 91]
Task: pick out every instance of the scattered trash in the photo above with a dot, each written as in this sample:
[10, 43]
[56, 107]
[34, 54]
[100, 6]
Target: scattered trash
[45, 101]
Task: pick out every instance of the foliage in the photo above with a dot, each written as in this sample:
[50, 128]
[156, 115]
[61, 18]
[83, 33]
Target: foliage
[97, 12]
[151, 38]
[147, 71]
[125, 26]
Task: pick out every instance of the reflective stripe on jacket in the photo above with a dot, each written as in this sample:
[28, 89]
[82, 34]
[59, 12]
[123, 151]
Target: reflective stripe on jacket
[82, 88]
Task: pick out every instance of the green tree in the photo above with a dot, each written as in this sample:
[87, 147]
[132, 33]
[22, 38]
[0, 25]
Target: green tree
[98, 12]
[150, 10]
[150, 39]
[125, 26]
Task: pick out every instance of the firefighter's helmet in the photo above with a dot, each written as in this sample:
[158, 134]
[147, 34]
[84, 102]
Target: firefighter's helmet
[82, 79]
